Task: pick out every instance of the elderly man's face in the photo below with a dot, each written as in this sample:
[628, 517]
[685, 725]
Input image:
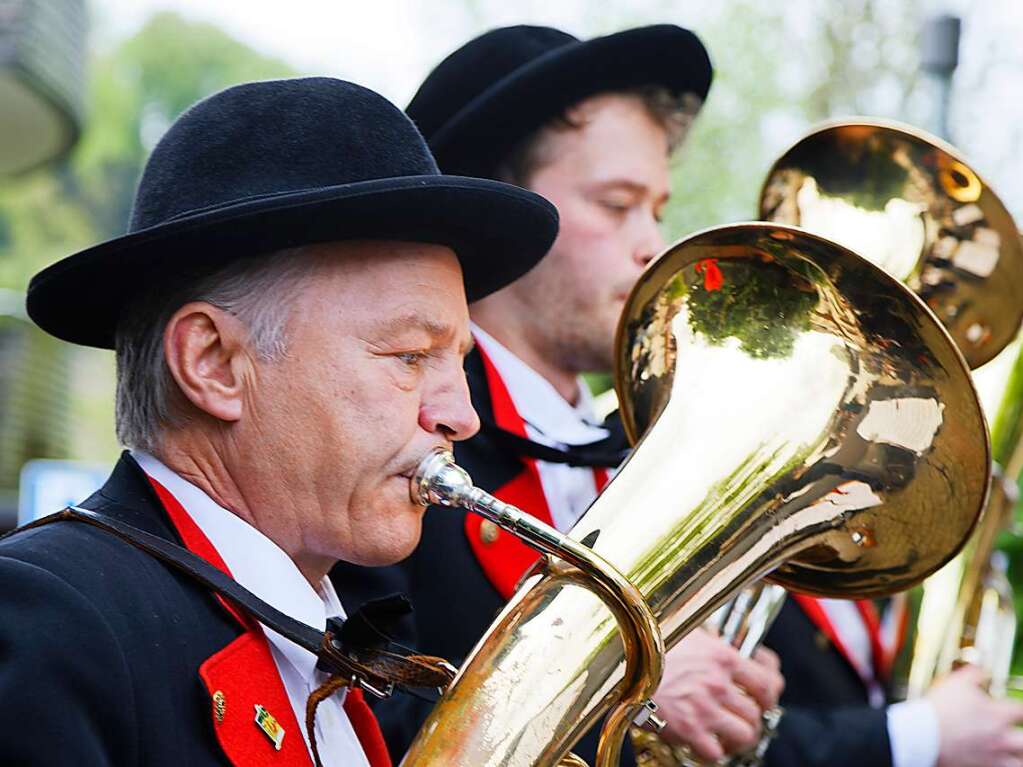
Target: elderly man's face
[371, 382]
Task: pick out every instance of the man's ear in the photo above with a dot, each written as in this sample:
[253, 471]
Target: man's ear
[206, 351]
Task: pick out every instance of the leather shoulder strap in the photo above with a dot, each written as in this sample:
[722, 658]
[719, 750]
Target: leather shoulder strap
[369, 667]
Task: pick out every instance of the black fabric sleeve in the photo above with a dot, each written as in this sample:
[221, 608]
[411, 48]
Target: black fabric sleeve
[65, 689]
[853, 736]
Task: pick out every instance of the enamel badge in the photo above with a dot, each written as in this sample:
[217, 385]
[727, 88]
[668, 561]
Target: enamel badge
[266, 722]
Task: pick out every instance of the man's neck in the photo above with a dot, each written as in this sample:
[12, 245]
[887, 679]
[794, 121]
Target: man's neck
[564, 381]
[198, 463]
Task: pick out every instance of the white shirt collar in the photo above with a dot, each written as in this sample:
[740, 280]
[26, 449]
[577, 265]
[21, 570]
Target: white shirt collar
[538, 402]
[256, 562]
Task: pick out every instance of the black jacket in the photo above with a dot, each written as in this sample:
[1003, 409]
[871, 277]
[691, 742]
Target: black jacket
[101, 647]
[453, 599]
[827, 720]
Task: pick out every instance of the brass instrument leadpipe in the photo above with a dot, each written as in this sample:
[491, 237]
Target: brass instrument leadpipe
[438, 480]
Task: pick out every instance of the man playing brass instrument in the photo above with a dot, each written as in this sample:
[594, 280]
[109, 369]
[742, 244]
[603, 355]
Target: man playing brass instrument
[289, 317]
[591, 126]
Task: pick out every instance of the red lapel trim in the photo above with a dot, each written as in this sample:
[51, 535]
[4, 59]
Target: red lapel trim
[878, 652]
[367, 729]
[820, 619]
[881, 656]
[894, 626]
[243, 674]
[503, 558]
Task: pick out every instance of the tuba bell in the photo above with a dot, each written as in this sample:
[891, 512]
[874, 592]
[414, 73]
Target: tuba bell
[911, 204]
[908, 202]
[802, 414]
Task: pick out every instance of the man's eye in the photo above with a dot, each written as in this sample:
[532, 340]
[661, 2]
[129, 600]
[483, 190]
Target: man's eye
[617, 208]
[412, 359]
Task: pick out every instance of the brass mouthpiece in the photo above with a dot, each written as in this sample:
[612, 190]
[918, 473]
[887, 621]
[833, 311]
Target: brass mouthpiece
[439, 481]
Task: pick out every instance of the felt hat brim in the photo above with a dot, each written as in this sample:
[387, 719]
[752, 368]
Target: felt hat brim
[497, 231]
[490, 125]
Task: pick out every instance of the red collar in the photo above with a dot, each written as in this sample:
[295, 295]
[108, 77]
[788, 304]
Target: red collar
[502, 556]
[244, 676]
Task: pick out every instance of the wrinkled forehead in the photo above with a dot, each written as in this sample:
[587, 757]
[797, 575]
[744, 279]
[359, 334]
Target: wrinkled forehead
[391, 285]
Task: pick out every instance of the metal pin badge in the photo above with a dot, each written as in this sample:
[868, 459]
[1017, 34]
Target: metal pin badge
[488, 531]
[219, 706]
[266, 722]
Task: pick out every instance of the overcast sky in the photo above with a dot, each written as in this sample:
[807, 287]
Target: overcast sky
[389, 45]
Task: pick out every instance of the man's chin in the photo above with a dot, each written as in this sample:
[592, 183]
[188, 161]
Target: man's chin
[396, 541]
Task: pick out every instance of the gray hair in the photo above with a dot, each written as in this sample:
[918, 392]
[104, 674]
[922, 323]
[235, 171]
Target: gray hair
[258, 291]
[673, 112]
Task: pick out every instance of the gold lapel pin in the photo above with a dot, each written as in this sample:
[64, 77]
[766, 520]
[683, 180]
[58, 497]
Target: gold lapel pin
[270, 726]
[219, 706]
[488, 531]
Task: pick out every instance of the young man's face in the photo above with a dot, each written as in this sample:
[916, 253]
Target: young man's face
[609, 180]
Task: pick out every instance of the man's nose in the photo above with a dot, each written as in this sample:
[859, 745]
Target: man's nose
[449, 411]
[650, 241]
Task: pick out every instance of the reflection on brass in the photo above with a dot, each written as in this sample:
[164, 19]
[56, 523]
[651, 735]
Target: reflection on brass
[751, 461]
[906, 201]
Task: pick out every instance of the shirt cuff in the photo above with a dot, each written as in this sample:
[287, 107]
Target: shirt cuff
[913, 733]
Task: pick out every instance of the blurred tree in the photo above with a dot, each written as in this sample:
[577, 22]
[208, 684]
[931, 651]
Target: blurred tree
[59, 401]
[778, 70]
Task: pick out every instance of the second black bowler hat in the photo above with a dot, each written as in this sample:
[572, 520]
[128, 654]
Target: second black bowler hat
[273, 165]
[491, 93]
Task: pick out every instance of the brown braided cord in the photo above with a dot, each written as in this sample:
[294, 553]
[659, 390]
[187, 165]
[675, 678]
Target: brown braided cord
[411, 670]
[386, 667]
[320, 694]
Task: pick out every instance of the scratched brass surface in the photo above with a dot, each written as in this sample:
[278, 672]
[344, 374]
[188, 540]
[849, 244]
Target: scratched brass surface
[911, 204]
[796, 404]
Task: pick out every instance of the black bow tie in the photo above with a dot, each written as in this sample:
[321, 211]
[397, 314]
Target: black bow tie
[608, 452]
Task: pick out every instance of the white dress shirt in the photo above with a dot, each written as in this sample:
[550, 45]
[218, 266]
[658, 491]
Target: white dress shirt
[912, 725]
[258, 564]
[552, 421]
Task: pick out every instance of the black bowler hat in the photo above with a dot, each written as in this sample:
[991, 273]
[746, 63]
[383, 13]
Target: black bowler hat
[278, 164]
[491, 93]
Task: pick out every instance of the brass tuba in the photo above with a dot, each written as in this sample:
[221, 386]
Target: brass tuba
[911, 204]
[803, 414]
